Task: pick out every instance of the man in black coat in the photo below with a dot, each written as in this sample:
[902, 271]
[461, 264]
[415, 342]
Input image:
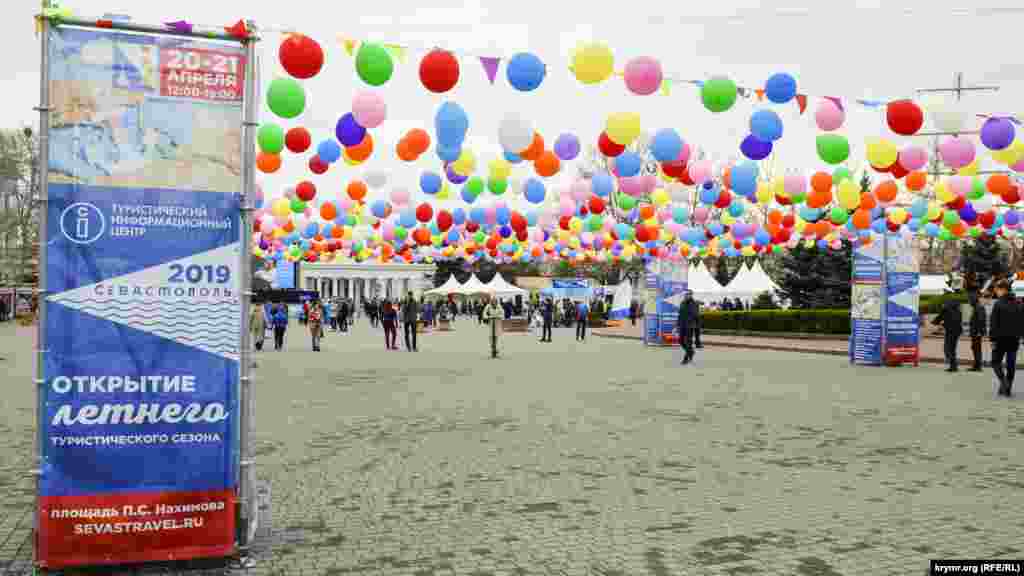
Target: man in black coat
[698, 323]
[977, 330]
[684, 324]
[951, 319]
[1005, 332]
[548, 313]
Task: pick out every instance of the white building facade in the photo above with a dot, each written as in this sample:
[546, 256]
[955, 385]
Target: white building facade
[364, 281]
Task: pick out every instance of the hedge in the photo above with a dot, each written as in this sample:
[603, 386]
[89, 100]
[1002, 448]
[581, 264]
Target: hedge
[933, 304]
[805, 321]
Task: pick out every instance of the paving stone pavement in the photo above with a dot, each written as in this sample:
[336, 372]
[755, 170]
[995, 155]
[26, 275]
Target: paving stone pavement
[596, 458]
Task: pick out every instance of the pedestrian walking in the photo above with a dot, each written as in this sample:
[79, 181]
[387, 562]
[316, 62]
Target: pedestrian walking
[684, 325]
[951, 319]
[280, 320]
[548, 314]
[493, 314]
[257, 325]
[633, 311]
[410, 318]
[698, 325]
[977, 328]
[316, 323]
[582, 312]
[389, 318]
[1005, 332]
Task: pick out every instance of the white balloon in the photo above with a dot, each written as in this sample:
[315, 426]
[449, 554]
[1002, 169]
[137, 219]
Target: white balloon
[376, 179]
[515, 133]
[948, 116]
[983, 204]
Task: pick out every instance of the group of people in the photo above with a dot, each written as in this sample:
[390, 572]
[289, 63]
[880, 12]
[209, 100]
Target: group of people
[568, 312]
[1004, 327]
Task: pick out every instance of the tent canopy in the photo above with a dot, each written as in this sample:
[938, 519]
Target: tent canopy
[750, 282]
[702, 284]
[451, 286]
[500, 287]
[472, 286]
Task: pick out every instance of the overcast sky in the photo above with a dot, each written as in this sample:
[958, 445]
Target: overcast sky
[845, 49]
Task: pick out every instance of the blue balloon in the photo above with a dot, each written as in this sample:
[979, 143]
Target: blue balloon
[919, 207]
[877, 212]
[735, 209]
[709, 195]
[716, 228]
[459, 216]
[379, 208]
[477, 215]
[453, 236]
[666, 145]
[755, 149]
[766, 125]
[408, 218]
[914, 224]
[512, 158]
[525, 72]
[763, 237]
[449, 153]
[312, 229]
[467, 196]
[822, 245]
[434, 230]
[348, 131]
[1012, 218]
[430, 183]
[602, 184]
[628, 164]
[967, 213]
[503, 215]
[780, 88]
[329, 151]
[451, 125]
[504, 231]
[531, 218]
[809, 214]
[879, 226]
[534, 191]
[743, 178]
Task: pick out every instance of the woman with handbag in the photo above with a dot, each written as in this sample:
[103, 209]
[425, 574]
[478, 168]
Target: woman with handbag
[316, 326]
[257, 325]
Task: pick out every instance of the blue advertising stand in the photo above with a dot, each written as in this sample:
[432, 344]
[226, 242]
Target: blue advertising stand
[866, 302]
[667, 282]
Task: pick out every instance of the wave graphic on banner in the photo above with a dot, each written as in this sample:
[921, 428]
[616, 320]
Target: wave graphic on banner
[202, 315]
[906, 299]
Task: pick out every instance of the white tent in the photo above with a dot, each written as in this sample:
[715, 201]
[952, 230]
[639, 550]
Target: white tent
[451, 286]
[501, 288]
[704, 286]
[749, 282]
[622, 301]
[932, 284]
[473, 286]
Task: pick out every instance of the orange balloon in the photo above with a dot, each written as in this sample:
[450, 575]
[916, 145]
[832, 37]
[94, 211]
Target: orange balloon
[775, 217]
[867, 201]
[646, 212]
[328, 211]
[405, 151]
[862, 219]
[886, 191]
[356, 190]
[916, 181]
[268, 163]
[821, 182]
[999, 184]
[547, 164]
[727, 178]
[418, 139]
[822, 228]
[289, 226]
[959, 229]
[684, 249]
[535, 149]
[337, 232]
[386, 251]
[363, 150]
[819, 199]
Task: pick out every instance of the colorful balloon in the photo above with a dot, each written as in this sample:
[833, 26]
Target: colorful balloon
[718, 94]
[301, 56]
[439, 71]
[374, 64]
[643, 75]
[525, 72]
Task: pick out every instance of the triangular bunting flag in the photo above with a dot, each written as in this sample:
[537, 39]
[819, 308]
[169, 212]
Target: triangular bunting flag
[760, 93]
[238, 30]
[398, 52]
[349, 44]
[801, 100]
[666, 87]
[836, 101]
[870, 103]
[490, 65]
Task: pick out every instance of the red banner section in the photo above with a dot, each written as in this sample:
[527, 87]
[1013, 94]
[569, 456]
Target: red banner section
[201, 74]
[129, 528]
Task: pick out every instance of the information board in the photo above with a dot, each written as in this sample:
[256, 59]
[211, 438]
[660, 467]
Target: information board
[866, 301]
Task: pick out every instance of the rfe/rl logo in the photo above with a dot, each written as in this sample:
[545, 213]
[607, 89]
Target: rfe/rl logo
[82, 223]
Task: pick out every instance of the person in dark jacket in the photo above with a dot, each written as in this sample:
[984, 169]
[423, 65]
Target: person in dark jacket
[410, 319]
[549, 318]
[951, 319]
[633, 309]
[977, 329]
[698, 323]
[684, 325]
[1005, 332]
[389, 319]
[279, 319]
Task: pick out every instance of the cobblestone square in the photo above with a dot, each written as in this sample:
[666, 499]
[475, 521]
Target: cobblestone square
[596, 458]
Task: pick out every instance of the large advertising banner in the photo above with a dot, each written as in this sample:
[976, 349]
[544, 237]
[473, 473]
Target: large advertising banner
[139, 414]
[902, 288]
[866, 302]
[666, 281]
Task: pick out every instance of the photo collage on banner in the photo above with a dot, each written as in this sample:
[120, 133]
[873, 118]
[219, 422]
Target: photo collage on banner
[866, 302]
[902, 287]
[139, 415]
[666, 284]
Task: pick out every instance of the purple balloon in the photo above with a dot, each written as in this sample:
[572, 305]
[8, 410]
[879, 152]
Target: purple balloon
[1011, 218]
[567, 147]
[755, 149]
[453, 176]
[968, 214]
[348, 131]
[997, 133]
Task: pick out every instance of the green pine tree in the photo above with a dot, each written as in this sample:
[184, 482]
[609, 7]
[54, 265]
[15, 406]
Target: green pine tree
[982, 259]
[816, 278]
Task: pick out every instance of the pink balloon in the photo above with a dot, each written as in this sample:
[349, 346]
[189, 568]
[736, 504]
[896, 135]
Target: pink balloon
[700, 172]
[643, 75]
[649, 183]
[609, 223]
[960, 185]
[1019, 166]
[794, 184]
[567, 208]
[400, 196]
[828, 116]
[369, 109]
[581, 190]
[956, 151]
[345, 204]
[491, 214]
[913, 158]
[700, 214]
[587, 238]
[267, 226]
[632, 186]
[684, 154]
[388, 229]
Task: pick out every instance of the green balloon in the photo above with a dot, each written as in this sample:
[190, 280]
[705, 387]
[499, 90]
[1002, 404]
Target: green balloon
[298, 206]
[626, 202]
[839, 215]
[270, 138]
[595, 221]
[286, 97]
[974, 232]
[950, 218]
[357, 247]
[373, 64]
[479, 237]
[840, 174]
[797, 197]
[474, 186]
[945, 234]
[718, 94]
[833, 148]
[497, 187]
[977, 189]
[777, 249]
[401, 232]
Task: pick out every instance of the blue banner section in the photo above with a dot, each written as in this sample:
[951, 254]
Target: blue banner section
[669, 283]
[284, 274]
[866, 341]
[902, 287]
[867, 302]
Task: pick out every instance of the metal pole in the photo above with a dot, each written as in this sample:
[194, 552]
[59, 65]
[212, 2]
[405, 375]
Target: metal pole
[246, 485]
[43, 159]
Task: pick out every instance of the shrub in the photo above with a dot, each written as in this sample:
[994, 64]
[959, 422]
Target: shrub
[933, 304]
[806, 321]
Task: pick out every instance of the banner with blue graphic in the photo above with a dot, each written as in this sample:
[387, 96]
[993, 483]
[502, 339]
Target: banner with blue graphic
[902, 288]
[139, 423]
[284, 274]
[666, 282]
[866, 302]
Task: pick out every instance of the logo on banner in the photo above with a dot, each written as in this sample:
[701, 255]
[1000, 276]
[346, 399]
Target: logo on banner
[82, 223]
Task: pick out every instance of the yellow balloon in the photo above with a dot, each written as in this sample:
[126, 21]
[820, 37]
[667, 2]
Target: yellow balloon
[281, 208]
[882, 153]
[898, 215]
[623, 127]
[849, 194]
[346, 233]
[727, 219]
[628, 252]
[576, 225]
[943, 193]
[593, 63]
[651, 221]
[778, 185]
[799, 225]
[747, 251]
[466, 164]
[278, 233]
[666, 236]
[500, 169]
[969, 170]
[764, 193]
[660, 197]
[934, 211]
[444, 192]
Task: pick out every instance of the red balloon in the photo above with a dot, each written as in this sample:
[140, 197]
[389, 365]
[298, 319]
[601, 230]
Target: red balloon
[444, 221]
[685, 177]
[596, 205]
[424, 212]
[1011, 195]
[904, 117]
[788, 221]
[522, 236]
[518, 222]
[673, 169]
[305, 191]
[609, 148]
[472, 227]
[563, 222]
[492, 244]
[898, 171]
[439, 71]
[724, 199]
[642, 233]
[298, 140]
[958, 203]
[301, 56]
[317, 166]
